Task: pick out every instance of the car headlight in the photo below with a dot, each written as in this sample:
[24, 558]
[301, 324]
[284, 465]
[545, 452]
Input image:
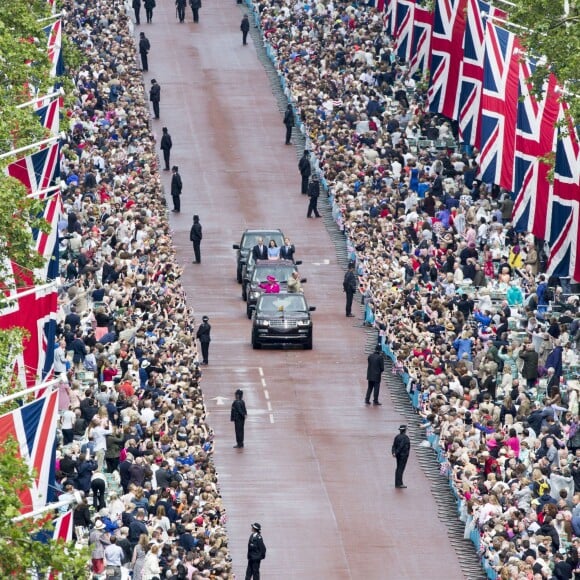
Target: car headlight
[263, 323]
[254, 294]
[304, 323]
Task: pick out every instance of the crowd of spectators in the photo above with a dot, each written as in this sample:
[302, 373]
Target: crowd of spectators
[134, 439]
[488, 341]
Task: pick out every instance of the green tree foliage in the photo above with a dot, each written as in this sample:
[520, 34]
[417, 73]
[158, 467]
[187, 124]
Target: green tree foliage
[553, 31]
[20, 555]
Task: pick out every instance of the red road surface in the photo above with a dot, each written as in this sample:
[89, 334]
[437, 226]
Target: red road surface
[316, 471]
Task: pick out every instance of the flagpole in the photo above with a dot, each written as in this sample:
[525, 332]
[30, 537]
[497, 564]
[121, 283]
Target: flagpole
[47, 508]
[4, 300]
[47, 191]
[53, 17]
[27, 147]
[19, 394]
[58, 93]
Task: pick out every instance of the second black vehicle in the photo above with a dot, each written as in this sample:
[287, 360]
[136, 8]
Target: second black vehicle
[280, 270]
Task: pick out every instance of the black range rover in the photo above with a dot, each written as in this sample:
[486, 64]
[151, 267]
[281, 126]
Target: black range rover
[282, 319]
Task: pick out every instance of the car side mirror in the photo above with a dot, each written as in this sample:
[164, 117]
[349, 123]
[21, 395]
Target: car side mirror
[298, 262]
[303, 280]
[312, 308]
[236, 246]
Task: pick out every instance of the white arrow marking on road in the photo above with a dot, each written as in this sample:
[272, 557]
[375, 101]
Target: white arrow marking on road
[220, 400]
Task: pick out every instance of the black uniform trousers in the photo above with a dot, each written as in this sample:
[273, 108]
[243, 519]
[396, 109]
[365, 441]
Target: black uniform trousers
[253, 570]
[374, 387]
[181, 13]
[176, 202]
[195, 12]
[349, 298]
[156, 109]
[288, 134]
[239, 427]
[205, 351]
[244, 36]
[137, 15]
[144, 61]
[304, 187]
[313, 207]
[197, 250]
[166, 154]
[149, 14]
[401, 464]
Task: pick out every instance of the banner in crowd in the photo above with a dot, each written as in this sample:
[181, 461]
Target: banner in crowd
[421, 42]
[33, 427]
[38, 171]
[49, 116]
[54, 46]
[405, 17]
[63, 527]
[564, 215]
[535, 138]
[499, 106]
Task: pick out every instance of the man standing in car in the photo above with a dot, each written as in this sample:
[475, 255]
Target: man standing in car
[375, 368]
[256, 552]
[176, 187]
[349, 286]
[195, 236]
[203, 335]
[238, 416]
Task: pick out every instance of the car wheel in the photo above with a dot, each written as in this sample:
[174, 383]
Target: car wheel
[249, 312]
[255, 344]
[244, 293]
[308, 344]
[239, 275]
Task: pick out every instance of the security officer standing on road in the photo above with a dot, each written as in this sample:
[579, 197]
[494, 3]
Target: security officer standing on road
[176, 187]
[313, 193]
[401, 449]
[203, 335]
[238, 416]
[155, 97]
[195, 236]
[166, 145]
[375, 368]
[289, 122]
[256, 553]
[349, 286]
[305, 170]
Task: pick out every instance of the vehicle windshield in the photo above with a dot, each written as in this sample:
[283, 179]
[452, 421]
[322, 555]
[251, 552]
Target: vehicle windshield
[249, 240]
[279, 271]
[282, 303]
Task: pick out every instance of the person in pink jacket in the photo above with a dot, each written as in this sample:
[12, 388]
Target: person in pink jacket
[270, 286]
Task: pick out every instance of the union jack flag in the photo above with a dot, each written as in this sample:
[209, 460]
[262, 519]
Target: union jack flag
[535, 135]
[405, 16]
[499, 106]
[63, 527]
[471, 73]
[564, 237]
[33, 427]
[49, 116]
[446, 56]
[38, 171]
[421, 44]
[54, 34]
[389, 7]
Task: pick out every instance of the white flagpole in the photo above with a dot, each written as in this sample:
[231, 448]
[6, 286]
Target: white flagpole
[22, 149]
[19, 295]
[47, 508]
[48, 385]
[53, 17]
[47, 191]
[58, 93]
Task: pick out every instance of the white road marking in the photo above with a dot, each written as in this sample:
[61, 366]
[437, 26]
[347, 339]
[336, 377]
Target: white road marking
[271, 418]
[266, 394]
[261, 371]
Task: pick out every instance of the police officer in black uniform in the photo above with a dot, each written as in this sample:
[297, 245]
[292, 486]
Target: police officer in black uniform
[238, 416]
[195, 236]
[256, 553]
[313, 193]
[176, 188]
[401, 449]
[375, 368]
[203, 335]
[349, 286]
[305, 171]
